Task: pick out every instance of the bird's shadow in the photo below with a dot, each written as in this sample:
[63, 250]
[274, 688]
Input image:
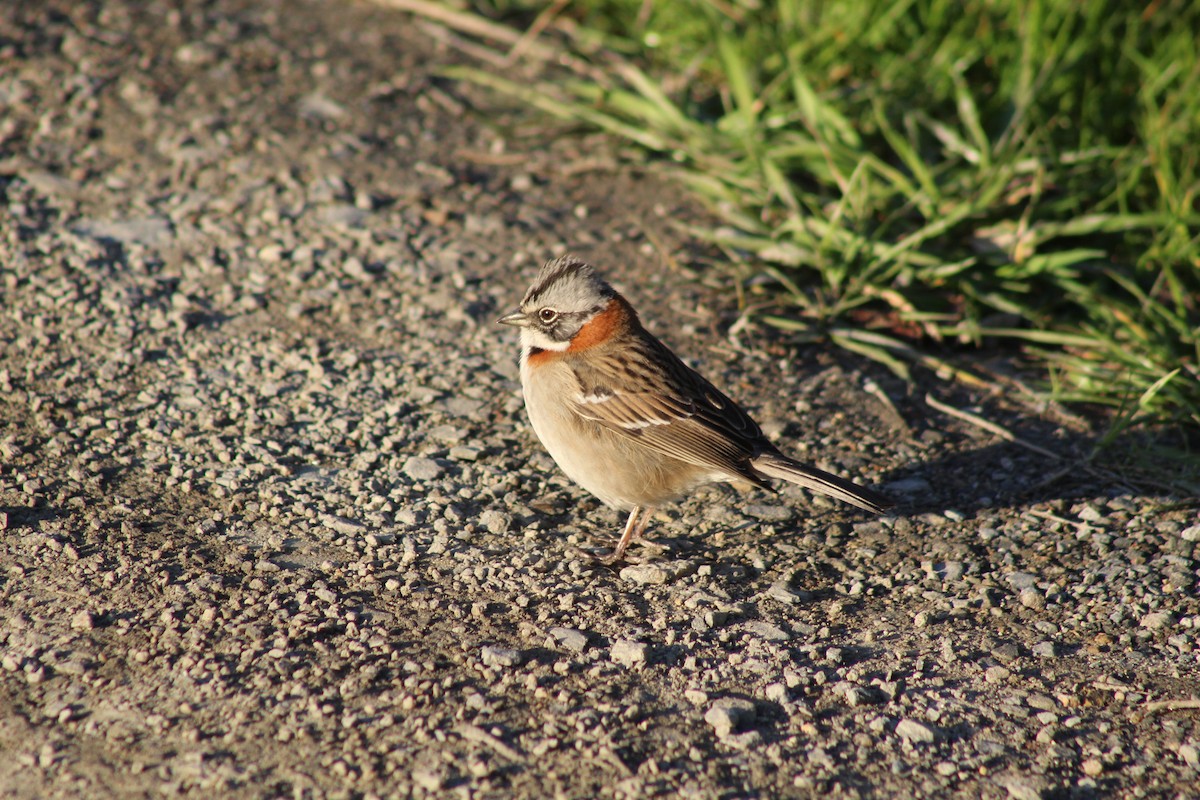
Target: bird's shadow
[1038, 467]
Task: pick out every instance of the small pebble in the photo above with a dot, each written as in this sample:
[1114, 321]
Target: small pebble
[493, 656]
[1046, 650]
[569, 638]
[730, 714]
[915, 732]
[782, 592]
[1022, 580]
[496, 522]
[776, 692]
[1032, 598]
[765, 630]
[857, 696]
[428, 778]
[997, 674]
[1157, 620]
[1041, 702]
[1024, 787]
[645, 574]
[465, 453]
[422, 469]
[628, 652]
[1047, 734]
[769, 513]
[83, 620]
[1006, 652]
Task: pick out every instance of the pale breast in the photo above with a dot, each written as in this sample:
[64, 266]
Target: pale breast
[612, 466]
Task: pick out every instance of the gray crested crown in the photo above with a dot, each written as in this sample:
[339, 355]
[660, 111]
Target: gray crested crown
[568, 283]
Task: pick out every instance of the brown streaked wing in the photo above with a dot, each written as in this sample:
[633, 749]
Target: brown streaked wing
[648, 394]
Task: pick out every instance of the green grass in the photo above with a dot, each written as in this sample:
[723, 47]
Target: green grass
[917, 174]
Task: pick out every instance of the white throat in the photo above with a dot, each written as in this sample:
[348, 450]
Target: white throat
[532, 338]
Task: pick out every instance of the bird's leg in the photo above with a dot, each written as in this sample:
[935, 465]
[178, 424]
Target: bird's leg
[634, 528]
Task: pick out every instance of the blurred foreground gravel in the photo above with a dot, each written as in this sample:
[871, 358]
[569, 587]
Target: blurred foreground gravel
[272, 522]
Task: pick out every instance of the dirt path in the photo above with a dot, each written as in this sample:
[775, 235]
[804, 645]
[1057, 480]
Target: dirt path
[272, 522]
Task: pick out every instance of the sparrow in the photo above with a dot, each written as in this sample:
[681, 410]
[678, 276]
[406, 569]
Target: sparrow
[625, 418]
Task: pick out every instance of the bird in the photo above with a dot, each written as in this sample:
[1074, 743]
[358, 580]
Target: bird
[625, 418]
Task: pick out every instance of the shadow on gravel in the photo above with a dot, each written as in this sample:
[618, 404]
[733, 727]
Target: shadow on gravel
[1003, 475]
[27, 516]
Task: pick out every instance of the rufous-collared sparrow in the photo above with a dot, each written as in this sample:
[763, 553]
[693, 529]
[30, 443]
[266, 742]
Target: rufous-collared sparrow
[625, 418]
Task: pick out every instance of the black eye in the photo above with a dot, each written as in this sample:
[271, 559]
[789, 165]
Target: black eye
[547, 315]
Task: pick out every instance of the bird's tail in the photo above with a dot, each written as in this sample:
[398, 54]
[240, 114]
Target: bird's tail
[776, 465]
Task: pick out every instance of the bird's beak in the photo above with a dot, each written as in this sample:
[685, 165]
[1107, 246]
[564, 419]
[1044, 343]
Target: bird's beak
[516, 319]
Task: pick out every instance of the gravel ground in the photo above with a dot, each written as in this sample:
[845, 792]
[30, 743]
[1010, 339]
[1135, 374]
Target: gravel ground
[273, 524]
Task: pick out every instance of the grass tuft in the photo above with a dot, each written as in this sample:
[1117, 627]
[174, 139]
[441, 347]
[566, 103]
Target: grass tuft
[920, 171]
